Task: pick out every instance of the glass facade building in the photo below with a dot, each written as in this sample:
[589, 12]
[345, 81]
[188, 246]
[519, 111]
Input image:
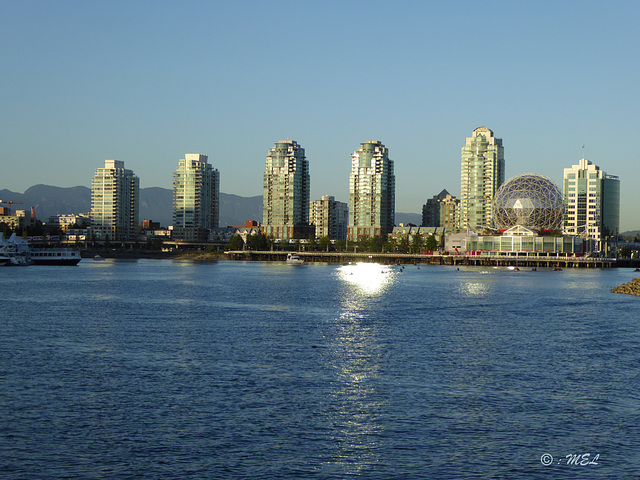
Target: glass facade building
[115, 193]
[196, 193]
[286, 192]
[592, 202]
[372, 186]
[482, 173]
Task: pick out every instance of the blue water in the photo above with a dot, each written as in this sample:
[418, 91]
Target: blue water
[156, 369]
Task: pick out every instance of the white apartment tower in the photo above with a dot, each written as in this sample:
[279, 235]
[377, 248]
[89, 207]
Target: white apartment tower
[372, 186]
[592, 202]
[196, 191]
[115, 193]
[329, 217]
[482, 173]
[285, 192]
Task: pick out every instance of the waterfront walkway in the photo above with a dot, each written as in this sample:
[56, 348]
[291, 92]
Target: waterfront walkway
[515, 259]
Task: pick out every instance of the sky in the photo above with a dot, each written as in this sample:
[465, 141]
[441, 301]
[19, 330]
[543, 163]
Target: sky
[147, 81]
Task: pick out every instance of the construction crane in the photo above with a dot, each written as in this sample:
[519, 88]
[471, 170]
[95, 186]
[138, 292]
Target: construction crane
[9, 203]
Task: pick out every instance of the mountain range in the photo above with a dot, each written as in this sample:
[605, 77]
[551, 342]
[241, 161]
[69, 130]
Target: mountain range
[155, 204]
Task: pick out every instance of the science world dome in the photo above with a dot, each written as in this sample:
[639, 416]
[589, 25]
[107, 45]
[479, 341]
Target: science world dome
[529, 200]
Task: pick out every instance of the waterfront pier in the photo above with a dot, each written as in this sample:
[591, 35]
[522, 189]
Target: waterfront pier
[517, 259]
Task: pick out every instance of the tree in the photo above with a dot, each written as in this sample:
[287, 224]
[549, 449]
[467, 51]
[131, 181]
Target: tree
[403, 245]
[257, 241]
[236, 243]
[324, 243]
[376, 243]
[312, 245]
[6, 229]
[417, 244]
[155, 244]
[390, 246]
[624, 252]
[431, 244]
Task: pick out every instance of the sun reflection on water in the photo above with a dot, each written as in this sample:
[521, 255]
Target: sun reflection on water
[474, 289]
[358, 398]
[370, 278]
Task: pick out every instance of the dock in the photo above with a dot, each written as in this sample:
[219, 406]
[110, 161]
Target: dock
[509, 259]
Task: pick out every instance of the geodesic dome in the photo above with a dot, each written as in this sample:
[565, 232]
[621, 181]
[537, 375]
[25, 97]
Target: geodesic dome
[530, 200]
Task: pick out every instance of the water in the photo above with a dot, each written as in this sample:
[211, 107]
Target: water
[158, 369]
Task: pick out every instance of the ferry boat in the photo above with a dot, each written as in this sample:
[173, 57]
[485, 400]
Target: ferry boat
[54, 256]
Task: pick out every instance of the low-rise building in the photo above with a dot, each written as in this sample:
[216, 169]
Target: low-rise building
[18, 220]
[410, 232]
[518, 240]
[66, 221]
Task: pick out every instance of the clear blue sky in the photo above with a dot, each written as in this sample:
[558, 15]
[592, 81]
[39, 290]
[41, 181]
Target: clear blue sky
[146, 82]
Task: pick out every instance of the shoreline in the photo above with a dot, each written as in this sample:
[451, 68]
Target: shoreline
[629, 288]
[385, 258]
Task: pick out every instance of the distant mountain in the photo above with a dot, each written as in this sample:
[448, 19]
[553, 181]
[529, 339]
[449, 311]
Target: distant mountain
[405, 218]
[155, 204]
[50, 200]
[234, 210]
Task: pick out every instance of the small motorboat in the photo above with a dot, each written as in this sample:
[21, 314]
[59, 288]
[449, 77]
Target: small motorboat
[294, 259]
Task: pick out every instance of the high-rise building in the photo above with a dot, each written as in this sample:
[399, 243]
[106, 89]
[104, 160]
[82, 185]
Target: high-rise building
[592, 202]
[115, 193]
[482, 173]
[329, 217]
[441, 211]
[196, 192]
[372, 187]
[285, 192]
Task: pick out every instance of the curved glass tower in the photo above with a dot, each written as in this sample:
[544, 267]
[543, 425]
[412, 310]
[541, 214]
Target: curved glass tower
[285, 192]
[482, 173]
[372, 187]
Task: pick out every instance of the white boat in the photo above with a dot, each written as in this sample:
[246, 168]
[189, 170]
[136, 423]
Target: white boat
[14, 251]
[55, 256]
[294, 259]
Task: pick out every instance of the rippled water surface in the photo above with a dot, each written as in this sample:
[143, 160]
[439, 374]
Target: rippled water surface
[156, 369]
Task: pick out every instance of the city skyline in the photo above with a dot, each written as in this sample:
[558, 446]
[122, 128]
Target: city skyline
[88, 82]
